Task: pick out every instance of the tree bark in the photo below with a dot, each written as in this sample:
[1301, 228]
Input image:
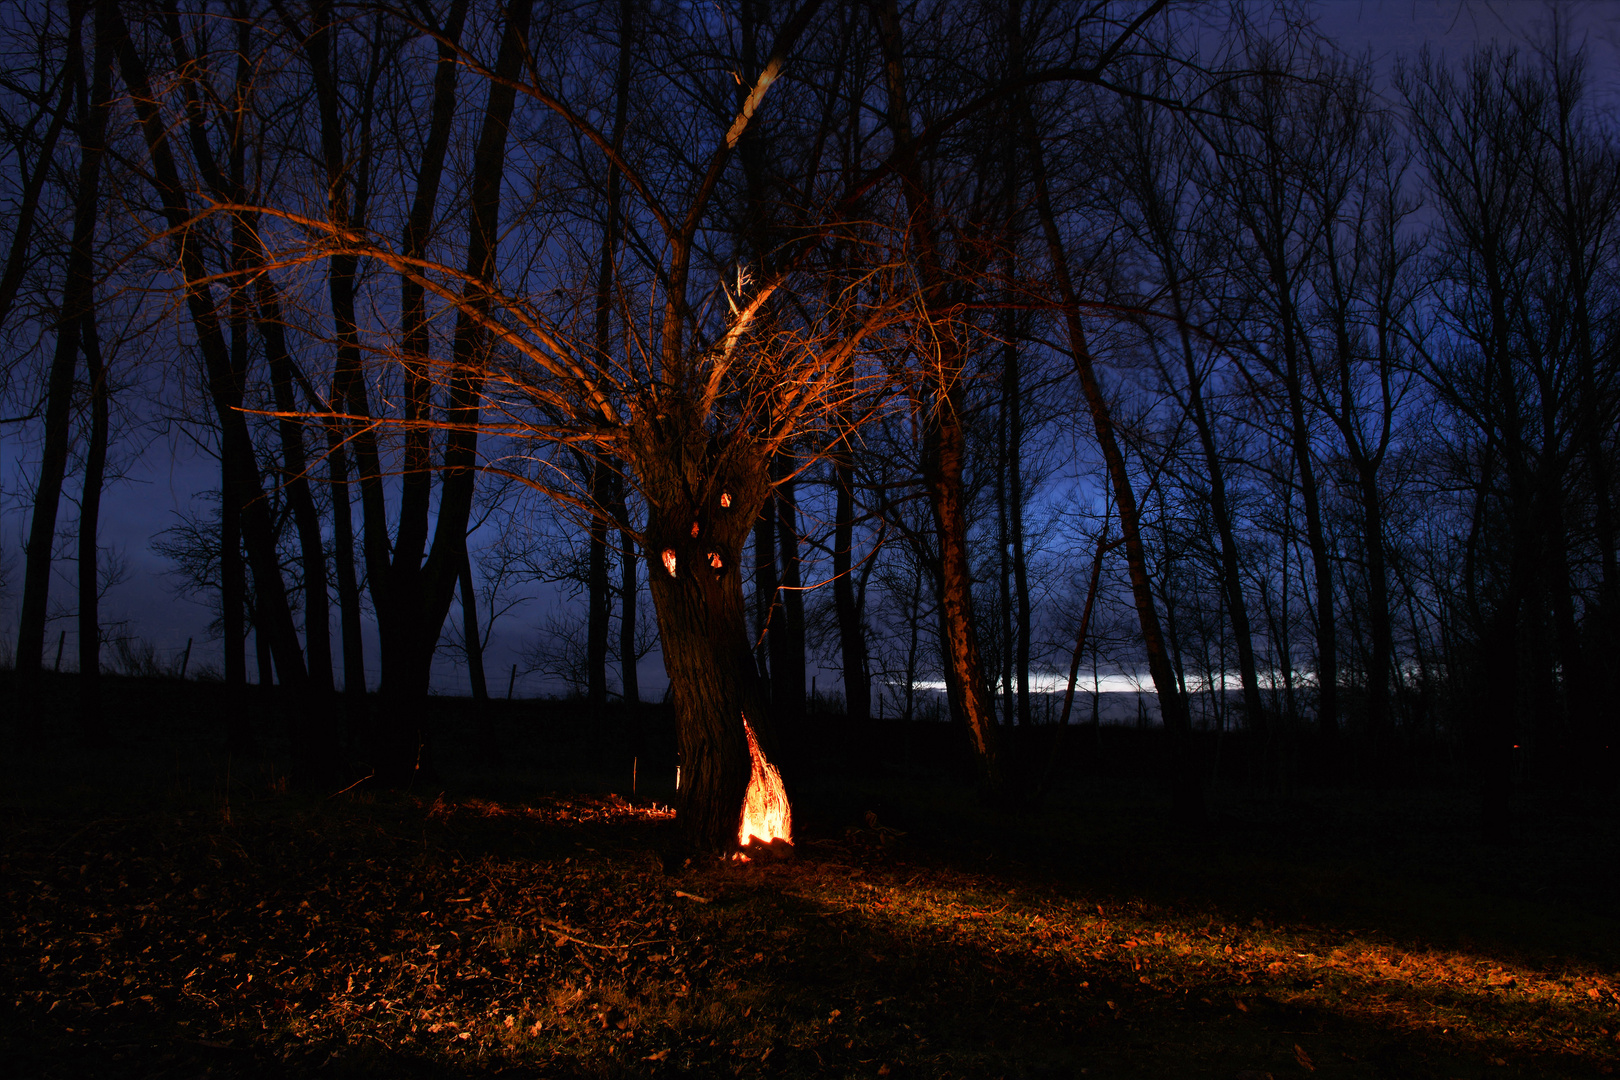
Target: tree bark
[295, 481]
[945, 440]
[767, 601]
[787, 651]
[1220, 509]
[77, 287]
[1022, 612]
[469, 633]
[413, 585]
[598, 596]
[1185, 780]
[945, 457]
[348, 587]
[236, 443]
[628, 676]
[267, 674]
[232, 577]
[92, 141]
[1263, 202]
[851, 633]
[1009, 700]
[350, 431]
[95, 467]
[603, 481]
[1160, 209]
[696, 583]
[469, 352]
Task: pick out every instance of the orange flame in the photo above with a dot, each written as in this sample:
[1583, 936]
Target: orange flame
[766, 815]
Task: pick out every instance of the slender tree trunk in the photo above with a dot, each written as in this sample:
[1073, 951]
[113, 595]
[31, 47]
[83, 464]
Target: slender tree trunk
[232, 576]
[913, 636]
[348, 587]
[599, 597]
[77, 289]
[628, 589]
[92, 141]
[1082, 634]
[1327, 648]
[267, 673]
[470, 345]
[353, 431]
[1231, 569]
[1496, 714]
[787, 655]
[1380, 720]
[1009, 700]
[1016, 624]
[470, 634]
[945, 441]
[1603, 727]
[945, 457]
[1022, 612]
[295, 481]
[602, 479]
[251, 279]
[1185, 778]
[1266, 218]
[393, 565]
[767, 598]
[412, 595]
[95, 466]
[235, 441]
[851, 636]
[233, 493]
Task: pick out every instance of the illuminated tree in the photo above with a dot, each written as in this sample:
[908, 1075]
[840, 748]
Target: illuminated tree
[693, 410]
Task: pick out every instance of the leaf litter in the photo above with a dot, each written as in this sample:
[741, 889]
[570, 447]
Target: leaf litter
[390, 935]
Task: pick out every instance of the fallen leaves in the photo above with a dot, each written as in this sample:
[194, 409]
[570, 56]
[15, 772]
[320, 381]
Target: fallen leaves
[543, 936]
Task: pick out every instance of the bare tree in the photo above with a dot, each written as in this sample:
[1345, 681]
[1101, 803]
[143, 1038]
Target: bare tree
[77, 290]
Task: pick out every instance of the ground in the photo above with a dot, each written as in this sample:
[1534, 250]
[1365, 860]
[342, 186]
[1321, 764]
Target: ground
[171, 910]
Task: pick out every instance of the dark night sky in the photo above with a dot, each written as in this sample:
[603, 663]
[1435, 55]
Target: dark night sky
[166, 477]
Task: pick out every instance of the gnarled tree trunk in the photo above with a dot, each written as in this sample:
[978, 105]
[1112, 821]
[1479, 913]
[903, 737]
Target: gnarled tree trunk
[695, 541]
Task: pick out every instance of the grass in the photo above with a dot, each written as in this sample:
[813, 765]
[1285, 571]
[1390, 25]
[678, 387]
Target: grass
[165, 913]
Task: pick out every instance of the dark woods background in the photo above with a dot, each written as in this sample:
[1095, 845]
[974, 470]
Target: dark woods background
[1047, 342]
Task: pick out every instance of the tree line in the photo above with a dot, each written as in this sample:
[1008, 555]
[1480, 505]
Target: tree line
[985, 344]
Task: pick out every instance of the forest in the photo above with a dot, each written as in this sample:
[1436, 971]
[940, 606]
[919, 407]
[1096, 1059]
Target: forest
[978, 385]
[929, 345]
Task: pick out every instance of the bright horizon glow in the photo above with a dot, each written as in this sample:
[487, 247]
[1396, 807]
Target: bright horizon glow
[1118, 682]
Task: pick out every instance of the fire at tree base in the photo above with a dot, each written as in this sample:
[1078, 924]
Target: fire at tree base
[766, 831]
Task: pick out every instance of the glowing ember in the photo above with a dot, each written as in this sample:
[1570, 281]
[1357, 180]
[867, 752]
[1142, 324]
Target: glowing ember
[714, 560]
[725, 500]
[766, 815]
[669, 561]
